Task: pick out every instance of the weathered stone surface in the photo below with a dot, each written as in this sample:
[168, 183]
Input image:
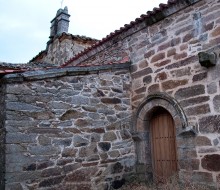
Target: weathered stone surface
[182, 63]
[71, 114]
[143, 64]
[204, 177]
[59, 105]
[216, 103]
[44, 130]
[134, 68]
[82, 122]
[117, 168]
[93, 158]
[125, 134]
[14, 186]
[197, 110]
[13, 148]
[109, 136]
[51, 172]
[22, 176]
[30, 167]
[63, 142]
[190, 91]
[88, 151]
[171, 52]
[147, 79]
[111, 100]
[212, 88]
[65, 161]
[153, 88]
[72, 130]
[210, 124]
[95, 137]
[78, 141]
[114, 154]
[171, 84]
[44, 140]
[161, 76]
[141, 73]
[20, 138]
[162, 63]
[149, 53]
[106, 111]
[118, 183]
[203, 141]
[207, 150]
[89, 108]
[81, 175]
[51, 181]
[181, 72]
[194, 101]
[189, 164]
[43, 150]
[199, 77]
[80, 100]
[80, 186]
[158, 57]
[211, 162]
[20, 106]
[69, 152]
[104, 146]
[43, 165]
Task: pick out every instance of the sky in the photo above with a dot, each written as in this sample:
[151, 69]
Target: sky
[25, 24]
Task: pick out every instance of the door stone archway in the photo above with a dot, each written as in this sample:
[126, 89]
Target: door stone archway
[142, 130]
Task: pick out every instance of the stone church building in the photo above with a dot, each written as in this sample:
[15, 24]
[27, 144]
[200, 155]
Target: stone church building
[144, 101]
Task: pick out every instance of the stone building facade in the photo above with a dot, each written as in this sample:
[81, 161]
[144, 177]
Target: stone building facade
[86, 123]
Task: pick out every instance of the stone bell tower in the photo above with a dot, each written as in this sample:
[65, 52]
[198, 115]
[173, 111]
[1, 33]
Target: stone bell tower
[60, 23]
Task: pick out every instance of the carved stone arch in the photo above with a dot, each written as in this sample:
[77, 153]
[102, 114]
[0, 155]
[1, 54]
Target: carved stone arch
[165, 101]
[142, 127]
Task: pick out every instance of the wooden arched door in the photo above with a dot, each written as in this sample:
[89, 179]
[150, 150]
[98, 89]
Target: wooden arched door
[164, 157]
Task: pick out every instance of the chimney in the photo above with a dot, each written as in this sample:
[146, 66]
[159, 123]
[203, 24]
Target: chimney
[60, 23]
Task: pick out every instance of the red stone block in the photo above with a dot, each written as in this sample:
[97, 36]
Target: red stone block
[161, 76]
[180, 56]
[211, 162]
[162, 63]
[171, 52]
[164, 46]
[149, 54]
[171, 84]
[143, 64]
[216, 32]
[188, 37]
[158, 57]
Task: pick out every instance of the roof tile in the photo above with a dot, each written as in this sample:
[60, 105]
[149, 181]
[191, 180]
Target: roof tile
[126, 27]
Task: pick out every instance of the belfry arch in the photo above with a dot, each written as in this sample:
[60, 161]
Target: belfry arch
[143, 130]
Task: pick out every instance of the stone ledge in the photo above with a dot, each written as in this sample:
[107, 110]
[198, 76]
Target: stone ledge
[59, 72]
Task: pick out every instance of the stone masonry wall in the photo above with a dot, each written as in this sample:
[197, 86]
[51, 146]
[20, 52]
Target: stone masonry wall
[2, 136]
[164, 58]
[168, 62]
[63, 47]
[69, 132]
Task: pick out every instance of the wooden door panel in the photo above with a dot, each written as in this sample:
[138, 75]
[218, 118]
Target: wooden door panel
[163, 144]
